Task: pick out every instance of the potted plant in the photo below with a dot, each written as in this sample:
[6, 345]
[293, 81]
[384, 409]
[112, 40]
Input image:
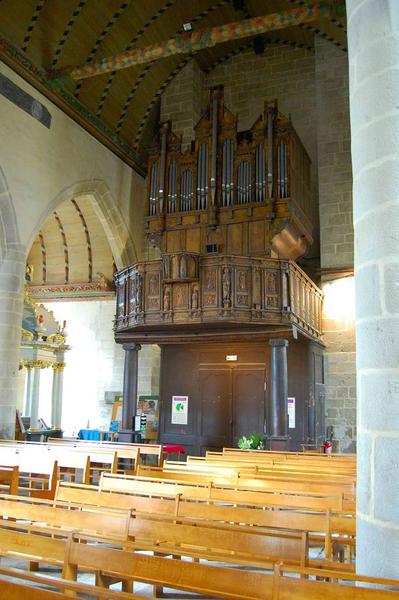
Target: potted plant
[253, 442]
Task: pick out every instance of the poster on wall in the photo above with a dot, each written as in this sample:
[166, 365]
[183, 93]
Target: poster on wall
[179, 410]
[291, 413]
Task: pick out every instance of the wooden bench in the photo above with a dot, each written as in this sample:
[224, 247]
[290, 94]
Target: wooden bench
[123, 450]
[9, 478]
[56, 588]
[208, 490]
[42, 463]
[208, 580]
[274, 480]
[322, 522]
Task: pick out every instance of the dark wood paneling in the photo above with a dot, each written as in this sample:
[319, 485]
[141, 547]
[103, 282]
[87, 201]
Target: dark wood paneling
[249, 401]
[228, 400]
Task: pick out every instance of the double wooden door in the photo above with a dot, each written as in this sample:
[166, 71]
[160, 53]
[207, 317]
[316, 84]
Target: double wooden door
[232, 404]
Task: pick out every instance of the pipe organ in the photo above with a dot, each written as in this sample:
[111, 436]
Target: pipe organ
[229, 216]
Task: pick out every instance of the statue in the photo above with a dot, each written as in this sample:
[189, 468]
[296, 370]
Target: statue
[183, 267]
[166, 299]
[139, 292]
[226, 286]
[194, 298]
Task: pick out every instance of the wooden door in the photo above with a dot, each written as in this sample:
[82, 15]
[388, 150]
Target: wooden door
[215, 411]
[249, 403]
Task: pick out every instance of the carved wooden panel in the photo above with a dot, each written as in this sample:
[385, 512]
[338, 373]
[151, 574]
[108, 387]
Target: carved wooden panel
[229, 289]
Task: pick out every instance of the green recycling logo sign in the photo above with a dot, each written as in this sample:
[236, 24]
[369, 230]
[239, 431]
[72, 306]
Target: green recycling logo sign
[179, 410]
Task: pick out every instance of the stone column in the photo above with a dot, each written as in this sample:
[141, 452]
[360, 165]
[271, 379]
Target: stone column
[56, 394]
[34, 408]
[278, 415]
[12, 270]
[28, 390]
[130, 381]
[373, 37]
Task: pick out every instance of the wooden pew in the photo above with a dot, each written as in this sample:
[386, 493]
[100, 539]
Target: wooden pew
[209, 580]
[208, 490]
[323, 522]
[223, 542]
[9, 477]
[49, 462]
[274, 480]
[95, 522]
[123, 450]
[21, 587]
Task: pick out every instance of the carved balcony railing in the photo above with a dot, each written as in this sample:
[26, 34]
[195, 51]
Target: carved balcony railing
[219, 291]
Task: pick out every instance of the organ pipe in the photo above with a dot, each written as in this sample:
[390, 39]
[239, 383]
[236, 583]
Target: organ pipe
[270, 136]
[163, 167]
[172, 194]
[154, 189]
[215, 104]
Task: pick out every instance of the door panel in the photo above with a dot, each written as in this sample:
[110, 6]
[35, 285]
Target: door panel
[248, 402]
[215, 399]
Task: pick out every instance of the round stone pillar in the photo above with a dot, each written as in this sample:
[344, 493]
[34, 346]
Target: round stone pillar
[373, 40]
[28, 389]
[278, 414]
[56, 394]
[35, 398]
[12, 270]
[130, 381]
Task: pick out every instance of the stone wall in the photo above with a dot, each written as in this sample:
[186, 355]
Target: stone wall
[184, 101]
[336, 240]
[41, 168]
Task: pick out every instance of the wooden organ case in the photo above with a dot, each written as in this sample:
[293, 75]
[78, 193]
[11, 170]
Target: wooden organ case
[230, 215]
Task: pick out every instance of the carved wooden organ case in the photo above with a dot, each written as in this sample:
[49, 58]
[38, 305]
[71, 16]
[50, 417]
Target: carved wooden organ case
[229, 216]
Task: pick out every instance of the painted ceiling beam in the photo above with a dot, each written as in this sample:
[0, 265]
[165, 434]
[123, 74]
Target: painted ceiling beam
[189, 43]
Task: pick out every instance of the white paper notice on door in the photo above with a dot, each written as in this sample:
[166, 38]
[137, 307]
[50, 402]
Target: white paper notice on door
[291, 413]
[179, 410]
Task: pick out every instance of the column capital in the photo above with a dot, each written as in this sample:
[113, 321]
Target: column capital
[58, 366]
[278, 342]
[128, 347]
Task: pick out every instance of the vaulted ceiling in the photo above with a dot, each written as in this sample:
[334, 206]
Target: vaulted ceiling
[71, 256]
[120, 107]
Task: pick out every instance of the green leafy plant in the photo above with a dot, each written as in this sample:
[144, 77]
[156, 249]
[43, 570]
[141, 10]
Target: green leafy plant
[253, 442]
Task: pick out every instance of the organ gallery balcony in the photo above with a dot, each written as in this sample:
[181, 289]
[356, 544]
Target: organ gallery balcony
[216, 293]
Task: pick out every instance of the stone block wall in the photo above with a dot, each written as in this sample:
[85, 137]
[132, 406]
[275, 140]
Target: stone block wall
[336, 240]
[184, 101]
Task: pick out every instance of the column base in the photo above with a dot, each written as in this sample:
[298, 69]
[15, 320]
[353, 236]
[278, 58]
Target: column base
[278, 443]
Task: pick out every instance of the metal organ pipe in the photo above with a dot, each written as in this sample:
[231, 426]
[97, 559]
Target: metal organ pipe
[172, 186]
[270, 140]
[202, 177]
[215, 106]
[163, 169]
[186, 190]
[227, 169]
[154, 189]
[259, 173]
[224, 175]
[282, 169]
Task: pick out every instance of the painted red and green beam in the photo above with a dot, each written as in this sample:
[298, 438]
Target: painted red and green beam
[189, 43]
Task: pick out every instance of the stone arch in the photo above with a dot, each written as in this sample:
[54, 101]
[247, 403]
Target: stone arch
[118, 235]
[9, 235]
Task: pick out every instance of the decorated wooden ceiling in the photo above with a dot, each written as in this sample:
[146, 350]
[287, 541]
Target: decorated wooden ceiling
[71, 256]
[45, 39]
